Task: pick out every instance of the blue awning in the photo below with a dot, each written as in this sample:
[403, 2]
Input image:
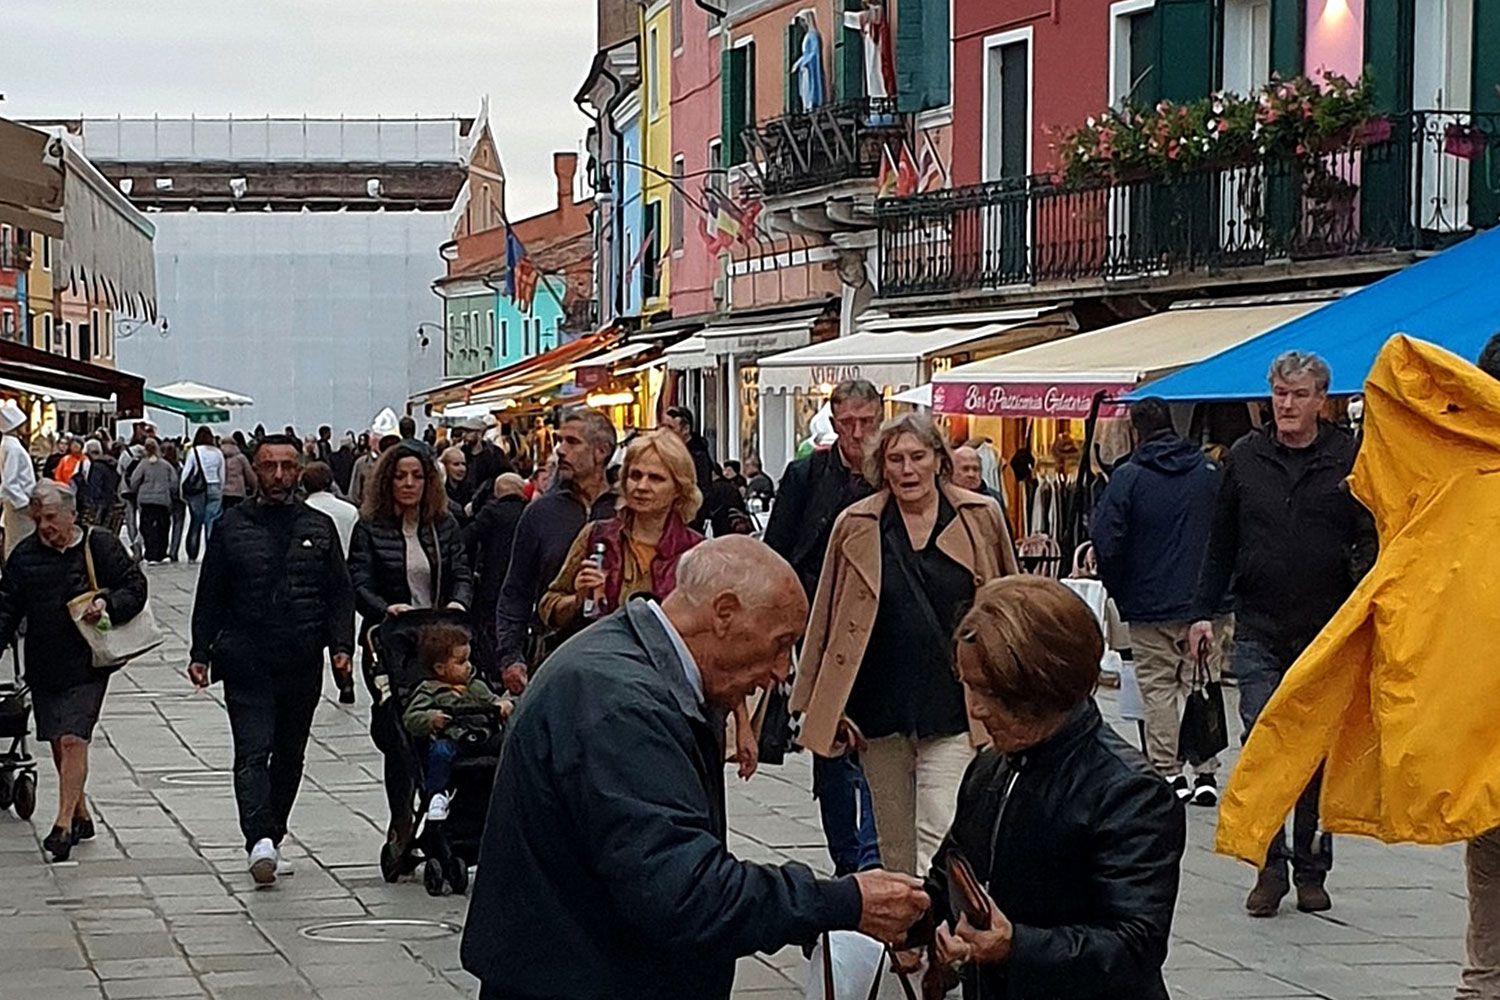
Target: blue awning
[1451, 300]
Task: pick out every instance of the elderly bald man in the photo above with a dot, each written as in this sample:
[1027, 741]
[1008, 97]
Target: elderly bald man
[968, 474]
[604, 871]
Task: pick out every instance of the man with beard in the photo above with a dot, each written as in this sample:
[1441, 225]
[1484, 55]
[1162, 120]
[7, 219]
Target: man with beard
[485, 462]
[585, 441]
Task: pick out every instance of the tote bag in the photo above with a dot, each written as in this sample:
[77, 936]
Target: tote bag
[119, 644]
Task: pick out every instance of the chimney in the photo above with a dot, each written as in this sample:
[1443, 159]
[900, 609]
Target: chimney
[565, 167]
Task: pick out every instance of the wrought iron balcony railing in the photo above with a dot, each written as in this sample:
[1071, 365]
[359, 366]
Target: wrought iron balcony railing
[1432, 177]
[837, 142]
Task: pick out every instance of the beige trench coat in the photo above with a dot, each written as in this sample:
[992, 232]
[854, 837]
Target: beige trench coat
[843, 612]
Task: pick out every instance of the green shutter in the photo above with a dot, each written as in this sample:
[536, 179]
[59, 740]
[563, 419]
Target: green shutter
[848, 58]
[1484, 177]
[791, 93]
[1186, 49]
[938, 63]
[1385, 174]
[911, 56]
[733, 85]
[1288, 37]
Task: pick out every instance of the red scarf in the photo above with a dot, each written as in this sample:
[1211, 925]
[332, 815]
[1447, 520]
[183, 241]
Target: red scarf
[676, 538]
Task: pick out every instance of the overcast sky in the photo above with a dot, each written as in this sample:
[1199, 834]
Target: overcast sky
[395, 58]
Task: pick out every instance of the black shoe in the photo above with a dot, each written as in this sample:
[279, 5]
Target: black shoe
[1271, 887]
[59, 842]
[1205, 791]
[1313, 898]
[1180, 787]
[83, 829]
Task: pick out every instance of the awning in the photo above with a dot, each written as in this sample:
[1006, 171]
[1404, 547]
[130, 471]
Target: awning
[1061, 378]
[206, 395]
[1448, 300]
[689, 354]
[890, 353]
[557, 360]
[613, 356]
[919, 396]
[108, 249]
[68, 400]
[198, 413]
[755, 335]
[54, 373]
[31, 180]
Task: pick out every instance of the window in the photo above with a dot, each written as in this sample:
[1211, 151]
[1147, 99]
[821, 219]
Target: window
[7, 252]
[924, 54]
[85, 342]
[504, 338]
[46, 253]
[653, 73]
[715, 161]
[8, 325]
[738, 83]
[679, 171]
[1007, 122]
[484, 207]
[1132, 54]
[651, 254]
[47, 344]
[674, 13]
[849, 56]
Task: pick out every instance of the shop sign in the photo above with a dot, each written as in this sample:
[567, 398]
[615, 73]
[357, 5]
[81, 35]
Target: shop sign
[1061, 400]
[833, 374]
[591, 376]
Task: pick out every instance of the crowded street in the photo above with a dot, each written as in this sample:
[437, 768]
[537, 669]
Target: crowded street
[159, 905]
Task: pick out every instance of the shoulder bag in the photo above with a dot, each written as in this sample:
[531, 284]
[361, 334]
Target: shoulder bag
[118, 644]
[196, 483]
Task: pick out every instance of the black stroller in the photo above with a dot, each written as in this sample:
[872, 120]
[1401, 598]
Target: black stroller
[17, 766]
[443, 850]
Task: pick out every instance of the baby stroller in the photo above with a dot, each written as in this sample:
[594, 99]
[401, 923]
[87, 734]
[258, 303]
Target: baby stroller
[444, 850]
[17, 766]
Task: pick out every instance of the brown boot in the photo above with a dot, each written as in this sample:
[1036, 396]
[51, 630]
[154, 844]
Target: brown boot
[1313, 898]
[1271, 887]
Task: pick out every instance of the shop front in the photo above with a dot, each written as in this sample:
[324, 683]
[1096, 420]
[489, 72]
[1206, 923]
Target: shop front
[63, 395]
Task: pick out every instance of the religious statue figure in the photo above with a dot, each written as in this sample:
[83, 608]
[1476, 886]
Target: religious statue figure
[809, 65]
[880, 64]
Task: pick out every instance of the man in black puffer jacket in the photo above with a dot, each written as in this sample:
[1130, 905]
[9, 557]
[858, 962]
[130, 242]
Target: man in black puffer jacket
[273, 594]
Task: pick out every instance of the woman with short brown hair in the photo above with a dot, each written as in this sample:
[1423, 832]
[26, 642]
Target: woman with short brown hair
[876, 674]
[1074, 841]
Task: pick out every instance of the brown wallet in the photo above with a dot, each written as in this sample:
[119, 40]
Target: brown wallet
[966, 895]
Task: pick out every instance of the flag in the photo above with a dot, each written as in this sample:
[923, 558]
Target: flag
[715, 241]
[749, 215]
[640, 254]
[886, 185]
[906, 173]
[520, 273]
[930, 176]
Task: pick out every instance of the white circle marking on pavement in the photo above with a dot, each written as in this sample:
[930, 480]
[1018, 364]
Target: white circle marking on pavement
[376, 929]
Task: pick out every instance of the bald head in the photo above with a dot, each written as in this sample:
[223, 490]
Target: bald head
[739, 609]
[508, 484]
[967, 472]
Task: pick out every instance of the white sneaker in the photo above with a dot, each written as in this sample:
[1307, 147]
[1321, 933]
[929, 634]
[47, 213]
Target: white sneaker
[264, 859]
[437, 809]
[283, 866]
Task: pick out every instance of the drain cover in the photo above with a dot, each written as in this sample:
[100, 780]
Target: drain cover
[377, 929]
[197, 779]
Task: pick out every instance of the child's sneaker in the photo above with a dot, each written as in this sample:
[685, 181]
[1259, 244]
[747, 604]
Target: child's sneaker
[437, 809]
[1205, 791]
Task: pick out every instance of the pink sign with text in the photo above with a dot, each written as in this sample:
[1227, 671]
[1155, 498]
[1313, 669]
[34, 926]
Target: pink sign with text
[1061, 400]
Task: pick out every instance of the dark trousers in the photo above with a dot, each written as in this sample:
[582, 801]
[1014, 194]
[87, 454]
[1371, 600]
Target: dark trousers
[270, 717]
[386, 731]
[848, 813]
[156, 522]
[1259, 671]
[440, 758]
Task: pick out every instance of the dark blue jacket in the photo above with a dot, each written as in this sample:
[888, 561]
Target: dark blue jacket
[1151, 530]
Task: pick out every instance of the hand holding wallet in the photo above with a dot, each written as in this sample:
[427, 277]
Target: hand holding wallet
[966, 895]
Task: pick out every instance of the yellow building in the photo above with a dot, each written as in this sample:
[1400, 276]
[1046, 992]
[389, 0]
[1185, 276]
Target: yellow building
[39, 301]
[662, 222]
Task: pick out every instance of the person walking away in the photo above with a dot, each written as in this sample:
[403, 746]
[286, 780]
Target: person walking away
[70, 463]
[317, 485]
[968, 474]
[324, 445]
[488, 539]
[46, 570]
[1150, 533]
[1294, 541]
[877, 670]
[441, 709]
[586, 441]
[342, 463]
[239, 476]
[606, 875]
[155, 483]
[457, 482]
[636, 552]
[202, 489]
[98, 488]
[406, 552]
[173, 455]
[133, 452]
[1060, 796]
[17, 478]
[273, 595]
[363, 468]
[814, 491]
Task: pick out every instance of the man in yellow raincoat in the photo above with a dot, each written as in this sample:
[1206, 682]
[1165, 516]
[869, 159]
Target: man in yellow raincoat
[1396, 697]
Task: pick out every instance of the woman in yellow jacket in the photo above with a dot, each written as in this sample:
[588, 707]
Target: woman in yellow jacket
[876, 674]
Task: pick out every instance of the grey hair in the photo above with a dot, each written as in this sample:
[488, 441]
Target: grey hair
[50, 493]
[854, 390]
[597, 430]
[92, 448]
[1293, 364]
[736, 563]
[919, 426]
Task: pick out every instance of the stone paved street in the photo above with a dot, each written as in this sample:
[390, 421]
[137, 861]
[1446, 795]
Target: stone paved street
[160, 904]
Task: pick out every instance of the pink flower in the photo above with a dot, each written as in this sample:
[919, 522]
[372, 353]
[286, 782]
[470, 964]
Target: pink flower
[1223, 126]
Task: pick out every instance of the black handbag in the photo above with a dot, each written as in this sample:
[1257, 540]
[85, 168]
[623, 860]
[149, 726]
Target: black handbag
[1205, 731]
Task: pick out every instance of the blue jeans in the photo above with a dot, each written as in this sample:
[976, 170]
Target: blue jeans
[848, 813]
[203, 512]
[440, 757]
[1259, 671]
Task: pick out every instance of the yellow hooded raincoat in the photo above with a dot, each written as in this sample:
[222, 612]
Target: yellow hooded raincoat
[1401, 691]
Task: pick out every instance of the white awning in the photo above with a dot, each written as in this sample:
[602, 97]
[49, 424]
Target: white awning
[209, 395]
[61, 397]
[1060, 378]
[690, 353]
[611, 357]
[920, 396]
[756, 340]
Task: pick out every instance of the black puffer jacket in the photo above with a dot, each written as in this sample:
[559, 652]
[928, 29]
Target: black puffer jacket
[36, 586]
[1079, 842]
[377, 564]
[273, 588]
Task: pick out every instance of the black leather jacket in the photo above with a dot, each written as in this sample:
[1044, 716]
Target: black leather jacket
[377, 565]
[1079, 842]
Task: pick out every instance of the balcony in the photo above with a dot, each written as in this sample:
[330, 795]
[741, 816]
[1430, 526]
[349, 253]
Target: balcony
[837, 142]
[1418, 184]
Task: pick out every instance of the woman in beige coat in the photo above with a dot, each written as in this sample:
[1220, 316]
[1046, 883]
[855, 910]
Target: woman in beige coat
[876, 674]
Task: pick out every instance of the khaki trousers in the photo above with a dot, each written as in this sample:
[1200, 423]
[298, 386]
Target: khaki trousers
[1165, 673]
[1481, 978]
[914, 787]
[17, 524]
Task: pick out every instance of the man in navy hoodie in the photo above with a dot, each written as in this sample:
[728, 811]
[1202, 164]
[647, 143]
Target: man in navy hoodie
[1151, 530]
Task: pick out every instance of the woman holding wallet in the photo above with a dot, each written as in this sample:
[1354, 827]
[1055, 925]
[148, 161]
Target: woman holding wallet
[1059, 876]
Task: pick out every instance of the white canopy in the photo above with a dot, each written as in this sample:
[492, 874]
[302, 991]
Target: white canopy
[208, 395]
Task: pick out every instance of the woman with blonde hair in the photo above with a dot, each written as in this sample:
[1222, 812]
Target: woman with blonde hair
[636, 551]
[876, 675]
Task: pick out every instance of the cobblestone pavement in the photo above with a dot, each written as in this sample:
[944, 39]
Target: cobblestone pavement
[160, 904]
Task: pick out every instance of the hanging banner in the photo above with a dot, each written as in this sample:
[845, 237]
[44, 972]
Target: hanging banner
[1061, 400]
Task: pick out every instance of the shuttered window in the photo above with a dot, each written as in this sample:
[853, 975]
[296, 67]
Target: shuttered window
[849, 57]
[924, 55]
[738, 89]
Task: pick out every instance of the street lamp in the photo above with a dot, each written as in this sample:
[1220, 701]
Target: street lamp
[127, 328]
[422, 339]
